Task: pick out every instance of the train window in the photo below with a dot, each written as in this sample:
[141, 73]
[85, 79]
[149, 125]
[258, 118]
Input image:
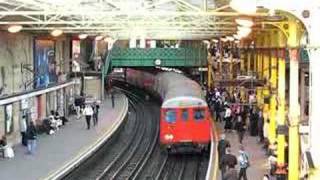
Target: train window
[171, 116]
[185, 114]
[198, 114]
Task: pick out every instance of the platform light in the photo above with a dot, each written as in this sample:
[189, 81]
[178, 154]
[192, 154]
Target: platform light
[108, 39]
[224, 39]
[230, 38]
[14, 28]
[245, 22]
[56, 32]
[244, 30]
[215, 40]
[236, 36]
[244, 6]
[98, 38]
[83, 36]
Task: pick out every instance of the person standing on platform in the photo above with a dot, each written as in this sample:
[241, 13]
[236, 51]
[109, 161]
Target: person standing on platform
[227, 161]
[32, 138]
[88, 112]
[95, 113]
[227, 118]
[240, 128]
[260, 126]
[112, 99]
[244, 163]
[222, 146]
[23, 130]
[253, 123]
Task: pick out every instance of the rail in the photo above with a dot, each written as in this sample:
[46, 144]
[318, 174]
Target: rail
[27, 94]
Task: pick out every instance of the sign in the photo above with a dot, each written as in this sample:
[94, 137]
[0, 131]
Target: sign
[282, 129]
[203, 69]
[157, 62]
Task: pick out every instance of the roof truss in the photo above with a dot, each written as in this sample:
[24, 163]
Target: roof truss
[168, 19]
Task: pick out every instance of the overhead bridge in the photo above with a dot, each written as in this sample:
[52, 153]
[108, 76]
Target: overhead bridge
[150, 57]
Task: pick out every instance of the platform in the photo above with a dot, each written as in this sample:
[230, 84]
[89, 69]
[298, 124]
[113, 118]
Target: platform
[61, 150]
[258, 159]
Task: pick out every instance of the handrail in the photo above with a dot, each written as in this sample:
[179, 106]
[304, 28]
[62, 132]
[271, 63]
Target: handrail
[107, 61]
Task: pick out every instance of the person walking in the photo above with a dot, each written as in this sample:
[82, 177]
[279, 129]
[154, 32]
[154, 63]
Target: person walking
[88, 112]
[32, 138]
[244, 163]
[227, 161]
[240, 128]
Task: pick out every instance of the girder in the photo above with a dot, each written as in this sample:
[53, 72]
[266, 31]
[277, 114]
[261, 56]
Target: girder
[187, 19]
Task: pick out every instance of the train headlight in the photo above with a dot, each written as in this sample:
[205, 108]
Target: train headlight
[168, 136]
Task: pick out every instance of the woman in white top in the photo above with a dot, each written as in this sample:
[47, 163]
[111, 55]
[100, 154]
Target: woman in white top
[88, 112]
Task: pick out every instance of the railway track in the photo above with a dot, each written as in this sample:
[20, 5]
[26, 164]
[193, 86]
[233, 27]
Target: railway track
[133, 152]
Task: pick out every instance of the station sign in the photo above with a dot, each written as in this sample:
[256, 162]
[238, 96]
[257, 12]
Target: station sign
[203, 69]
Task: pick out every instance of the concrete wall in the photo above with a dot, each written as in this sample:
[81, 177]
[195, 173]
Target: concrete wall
[15, 50]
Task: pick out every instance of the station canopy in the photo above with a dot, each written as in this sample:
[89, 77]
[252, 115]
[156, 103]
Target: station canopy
[126, 19]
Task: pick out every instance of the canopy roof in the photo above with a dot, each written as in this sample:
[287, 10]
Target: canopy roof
[125, 19]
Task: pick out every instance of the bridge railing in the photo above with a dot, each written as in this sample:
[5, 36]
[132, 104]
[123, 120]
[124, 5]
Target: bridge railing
[170, 57]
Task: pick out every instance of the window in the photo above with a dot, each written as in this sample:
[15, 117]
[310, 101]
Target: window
[171, 116]
[198, 114]
[185, 115]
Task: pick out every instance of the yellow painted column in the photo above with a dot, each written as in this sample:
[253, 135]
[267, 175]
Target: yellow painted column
[266, 76]
[294, 110]
[209, 70]
[248, 60]
[259, 71]
[281, 106]
[243, 70]
[273, 93]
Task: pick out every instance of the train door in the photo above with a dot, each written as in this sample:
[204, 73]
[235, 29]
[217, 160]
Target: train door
[168, 125]
[183, 132]
[200, 124]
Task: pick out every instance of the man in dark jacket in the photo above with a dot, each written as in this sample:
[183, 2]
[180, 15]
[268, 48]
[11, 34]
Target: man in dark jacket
[227, 161]
[222, 145]
[240, 127]
[32, 136]
[231, 174]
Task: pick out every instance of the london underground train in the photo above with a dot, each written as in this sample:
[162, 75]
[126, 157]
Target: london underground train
[185, 120]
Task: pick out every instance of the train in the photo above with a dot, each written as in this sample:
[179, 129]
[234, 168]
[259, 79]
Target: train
[185, 120]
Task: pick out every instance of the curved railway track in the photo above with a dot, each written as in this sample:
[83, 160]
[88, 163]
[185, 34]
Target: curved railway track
[133, 152]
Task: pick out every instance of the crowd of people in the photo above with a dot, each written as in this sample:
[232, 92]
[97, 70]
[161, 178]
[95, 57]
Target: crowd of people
[237, 114]
[241, 116]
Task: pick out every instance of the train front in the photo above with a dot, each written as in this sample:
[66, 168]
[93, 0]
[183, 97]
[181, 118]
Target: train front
[185, 123]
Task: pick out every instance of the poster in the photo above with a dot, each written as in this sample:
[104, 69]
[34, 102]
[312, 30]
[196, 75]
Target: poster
[44, 63]
[8, 118]
[75, 49]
